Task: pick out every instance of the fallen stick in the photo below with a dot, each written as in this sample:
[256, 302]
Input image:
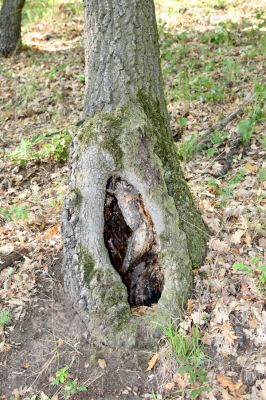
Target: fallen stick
[222, 123]
[229, 159]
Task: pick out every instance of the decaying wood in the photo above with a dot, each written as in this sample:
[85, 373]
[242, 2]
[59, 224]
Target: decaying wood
[132, 243]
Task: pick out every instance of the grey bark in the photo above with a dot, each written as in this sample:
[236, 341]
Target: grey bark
[10, 26]
[126, 138]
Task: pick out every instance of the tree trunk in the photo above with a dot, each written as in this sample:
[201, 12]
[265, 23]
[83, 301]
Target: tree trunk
[10, 26]
[131, 230]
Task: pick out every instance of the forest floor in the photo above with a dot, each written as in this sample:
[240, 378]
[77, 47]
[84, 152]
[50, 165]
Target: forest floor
[212, 59]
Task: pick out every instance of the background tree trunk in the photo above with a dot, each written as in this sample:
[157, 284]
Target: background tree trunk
[10, 25]
[131, 230]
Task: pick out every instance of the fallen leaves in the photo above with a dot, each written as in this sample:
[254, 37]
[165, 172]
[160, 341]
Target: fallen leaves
[219, 245]
[153, 360]
[51, 232]
[251, 167]
[236, 237]
[102, 363]
[236, 388]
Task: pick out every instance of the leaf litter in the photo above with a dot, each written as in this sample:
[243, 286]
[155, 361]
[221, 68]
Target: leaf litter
[41, 92]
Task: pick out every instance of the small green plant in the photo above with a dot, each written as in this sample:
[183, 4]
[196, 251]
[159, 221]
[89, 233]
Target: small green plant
[263, 142]
[213, 182]
[61, 376]
[5, 317]
[182, 121]
[240, 266]
[189, 352]
[231, 69]
[186, 348]
[262, 174]
[245, 129]
[205, 87]
[226, 192]
[52, 74]
[188, 148]
[218, 36]
[196, 375]
[69, 386]
[14, 213]
[211, 152]
[259, 270]
[28, 90]
[81, 77]
[218, 137]
[42, 146]
[238, 177]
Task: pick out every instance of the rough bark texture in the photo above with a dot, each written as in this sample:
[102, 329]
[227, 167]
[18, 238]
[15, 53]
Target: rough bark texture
[10, 25]
[131, 230]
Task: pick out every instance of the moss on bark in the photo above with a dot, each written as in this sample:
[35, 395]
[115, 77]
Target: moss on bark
[106, 129]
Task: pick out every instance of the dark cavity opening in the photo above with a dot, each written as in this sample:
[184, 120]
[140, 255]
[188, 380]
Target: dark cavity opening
[132, 244]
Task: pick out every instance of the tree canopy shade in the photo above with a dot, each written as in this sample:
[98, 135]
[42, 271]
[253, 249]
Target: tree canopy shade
[131, 229]
[10, 25]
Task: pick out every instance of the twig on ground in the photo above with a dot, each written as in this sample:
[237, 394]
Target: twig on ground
[229, 159]
[222, 123]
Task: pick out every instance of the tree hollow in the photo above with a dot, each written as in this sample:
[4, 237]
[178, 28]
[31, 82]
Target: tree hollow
[132, 243]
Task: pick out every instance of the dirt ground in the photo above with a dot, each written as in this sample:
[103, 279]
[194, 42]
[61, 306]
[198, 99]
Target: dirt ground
[213, 57]
[51, 335]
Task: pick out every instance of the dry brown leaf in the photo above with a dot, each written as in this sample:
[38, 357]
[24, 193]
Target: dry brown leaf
[181, 380]
[251, 167]
[228, 332]
[236, 388]
[218, 245]
[152, 362]
[190, 306]
[236, 237]
[262, 242]
[102, 363]
[169, 385]
[252, 322]
[143, 310]
[51, 232]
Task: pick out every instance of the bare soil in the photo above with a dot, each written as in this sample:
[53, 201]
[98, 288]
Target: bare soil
[51, 336]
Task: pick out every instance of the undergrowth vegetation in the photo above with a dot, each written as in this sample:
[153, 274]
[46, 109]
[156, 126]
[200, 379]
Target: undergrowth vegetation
[42, 147]
[213, 57]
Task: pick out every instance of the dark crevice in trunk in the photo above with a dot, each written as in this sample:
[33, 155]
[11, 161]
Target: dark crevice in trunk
[132, 244]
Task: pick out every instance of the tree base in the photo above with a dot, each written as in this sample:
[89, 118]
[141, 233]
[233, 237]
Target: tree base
[123, 241]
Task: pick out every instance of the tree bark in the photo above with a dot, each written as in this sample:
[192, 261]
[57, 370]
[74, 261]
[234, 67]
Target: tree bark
[131, 229]
[10, 26]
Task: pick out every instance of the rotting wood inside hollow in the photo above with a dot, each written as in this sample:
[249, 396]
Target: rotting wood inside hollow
[131, 242]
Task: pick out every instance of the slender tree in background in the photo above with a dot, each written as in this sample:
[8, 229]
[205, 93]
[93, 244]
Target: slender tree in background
[131, 230]
[10, 26]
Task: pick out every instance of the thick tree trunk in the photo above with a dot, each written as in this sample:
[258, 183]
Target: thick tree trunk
[131, 230]
[10, 25]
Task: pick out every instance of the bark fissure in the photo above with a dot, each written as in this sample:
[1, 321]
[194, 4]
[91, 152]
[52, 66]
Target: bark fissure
[132, 243]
